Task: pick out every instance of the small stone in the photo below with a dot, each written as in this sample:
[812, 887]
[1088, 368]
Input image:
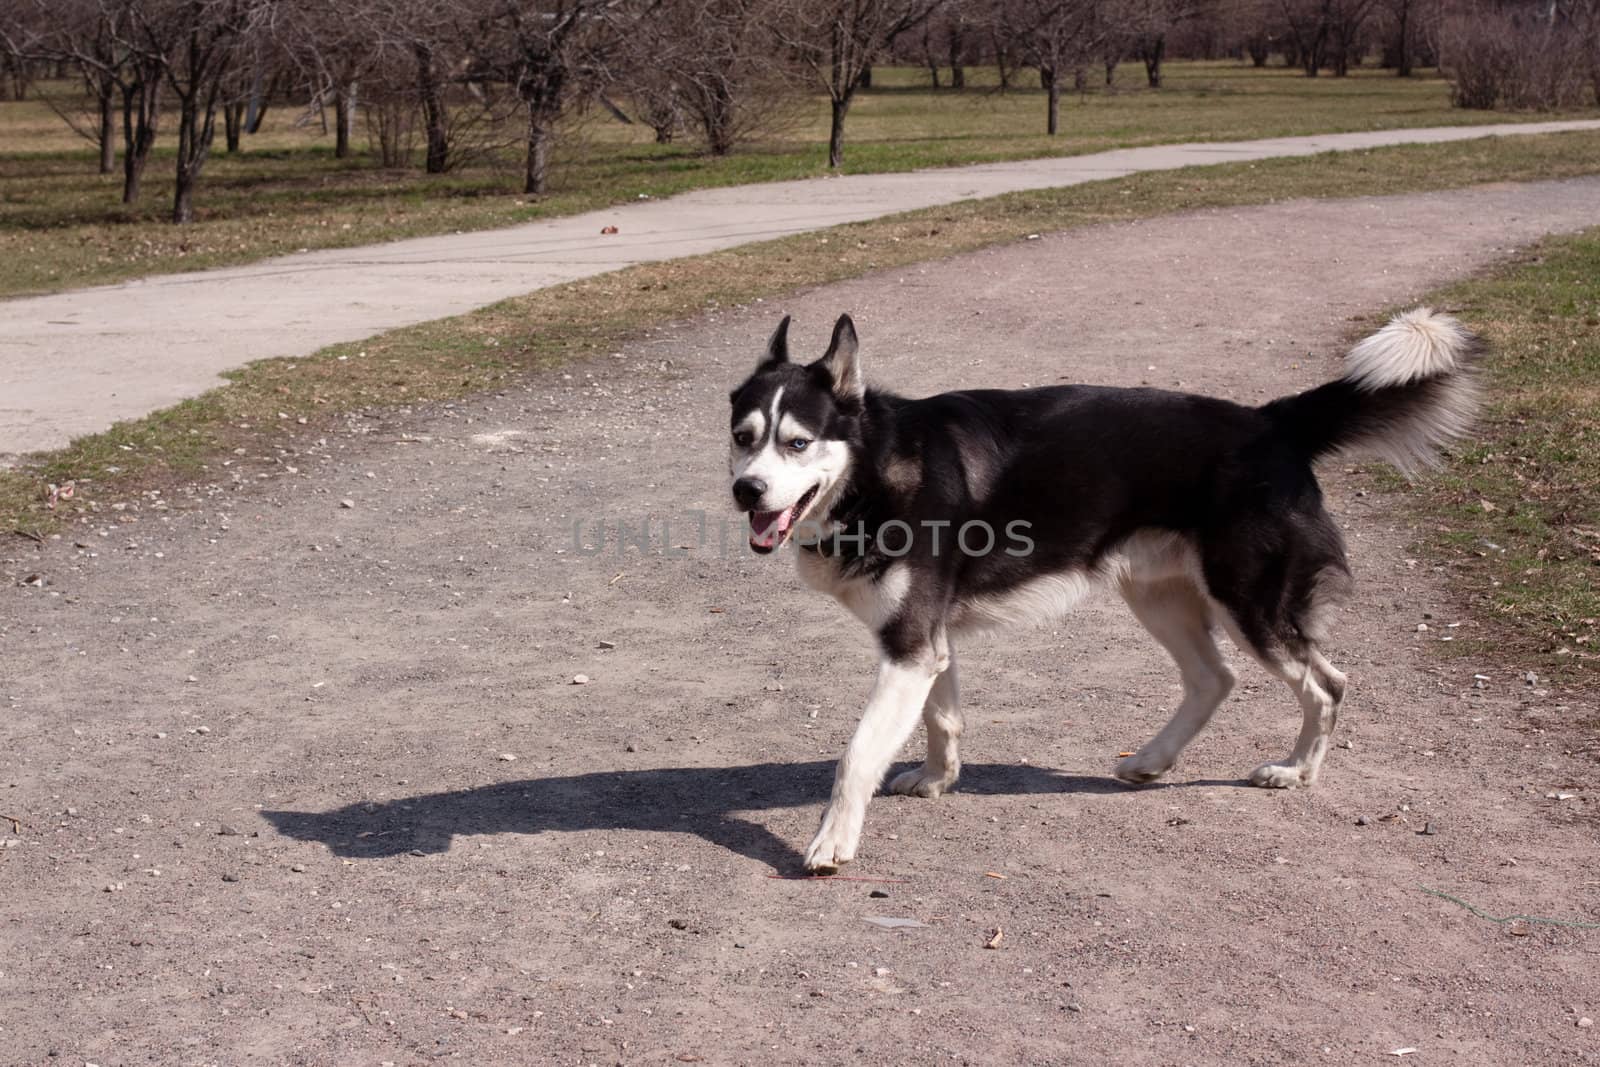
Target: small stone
[580, 679]
[1427, 830]
[608, 644]
[878, 894]
[230, 877]
[1585, 1023]
[1531, 678]
[1519, 929]
[347, 503]
[678, 924]
[508, 757]
[881, 972]
[1422, 627]
[298, 868]
[1361, 820]
[202, 729]
[630, 747]
[1074, 1007]
[227, 830]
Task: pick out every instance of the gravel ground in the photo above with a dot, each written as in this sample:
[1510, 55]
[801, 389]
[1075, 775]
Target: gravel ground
[301, 774]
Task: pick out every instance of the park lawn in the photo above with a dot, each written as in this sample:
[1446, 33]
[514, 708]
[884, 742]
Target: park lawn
[62, 226]
[1516, 515]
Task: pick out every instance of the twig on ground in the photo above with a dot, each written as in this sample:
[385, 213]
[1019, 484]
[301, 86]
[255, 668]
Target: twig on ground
[1480, 913]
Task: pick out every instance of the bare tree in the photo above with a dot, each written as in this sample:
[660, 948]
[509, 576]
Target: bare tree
[335, 50]
[1057, 36]
[1326, 32]
[716, 64]
[554, 55]
[838, 40]
[1149, 24]
[197, 45]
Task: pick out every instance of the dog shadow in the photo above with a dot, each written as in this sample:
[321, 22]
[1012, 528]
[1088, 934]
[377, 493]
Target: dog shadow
[713, 803]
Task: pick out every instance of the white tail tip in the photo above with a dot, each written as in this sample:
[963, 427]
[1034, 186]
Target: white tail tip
[1413, 345]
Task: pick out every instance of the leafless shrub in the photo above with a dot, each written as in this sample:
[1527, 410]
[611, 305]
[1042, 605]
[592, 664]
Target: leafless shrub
[1518, 55]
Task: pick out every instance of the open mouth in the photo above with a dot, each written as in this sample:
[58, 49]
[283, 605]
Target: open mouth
[770, 529]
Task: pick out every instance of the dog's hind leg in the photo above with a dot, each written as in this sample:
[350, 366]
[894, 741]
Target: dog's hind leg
[1175, 612]
[902, 687]
[941, 714]
[1319, 687]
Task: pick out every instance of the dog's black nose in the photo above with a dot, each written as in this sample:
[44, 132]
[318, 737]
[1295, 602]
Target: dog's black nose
[749, 491]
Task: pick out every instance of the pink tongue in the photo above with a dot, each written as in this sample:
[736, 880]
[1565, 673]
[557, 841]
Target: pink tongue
[768, 527]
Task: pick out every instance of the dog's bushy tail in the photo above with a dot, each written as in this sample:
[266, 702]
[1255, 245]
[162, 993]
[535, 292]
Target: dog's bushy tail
[1408, 390]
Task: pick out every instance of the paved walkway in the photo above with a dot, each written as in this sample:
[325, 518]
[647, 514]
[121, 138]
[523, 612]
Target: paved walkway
[74, 363]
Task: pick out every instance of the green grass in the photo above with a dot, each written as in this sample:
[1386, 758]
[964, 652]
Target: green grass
[1517, 515]
[63, 226]
[253, 426]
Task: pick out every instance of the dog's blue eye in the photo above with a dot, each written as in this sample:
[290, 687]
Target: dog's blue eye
[799, 444]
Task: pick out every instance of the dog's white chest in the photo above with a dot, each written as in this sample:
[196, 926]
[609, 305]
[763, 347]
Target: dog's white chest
[874, 602]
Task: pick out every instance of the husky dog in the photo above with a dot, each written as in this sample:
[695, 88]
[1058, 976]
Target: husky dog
[929, 519]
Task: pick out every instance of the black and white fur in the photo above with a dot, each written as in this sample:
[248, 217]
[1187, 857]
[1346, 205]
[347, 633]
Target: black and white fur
[1200, 512]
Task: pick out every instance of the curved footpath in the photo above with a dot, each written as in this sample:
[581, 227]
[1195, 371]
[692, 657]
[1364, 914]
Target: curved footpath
[73, 363]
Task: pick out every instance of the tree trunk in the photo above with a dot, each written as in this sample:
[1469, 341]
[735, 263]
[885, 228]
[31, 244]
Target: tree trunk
[1052, 82]
[718, 120]
[836, 133]
[233, 123]
[197, 128]
[538, 163]
[1402, 67]
[865, 81]
[108, 127]
[1153, 52]
[433, 112]
[141, 107]
[344, 118]
[1111, 72]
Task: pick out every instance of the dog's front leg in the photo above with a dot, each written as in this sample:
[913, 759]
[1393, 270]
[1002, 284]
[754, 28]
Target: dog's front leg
[892, 713]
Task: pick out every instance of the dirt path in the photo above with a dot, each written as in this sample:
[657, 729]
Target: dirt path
[257, 747]
[74, 363]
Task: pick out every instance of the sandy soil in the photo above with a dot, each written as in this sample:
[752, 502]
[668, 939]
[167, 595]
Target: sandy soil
[258, 743]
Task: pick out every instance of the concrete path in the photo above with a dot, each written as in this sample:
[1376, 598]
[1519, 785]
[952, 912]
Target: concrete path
[74, 363]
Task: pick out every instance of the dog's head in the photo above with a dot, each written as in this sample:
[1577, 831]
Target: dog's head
[792, 428]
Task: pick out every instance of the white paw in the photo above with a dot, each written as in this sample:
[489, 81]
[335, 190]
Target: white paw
[834, 846]
[1280, 776]
[924, 781]
[1141, 767]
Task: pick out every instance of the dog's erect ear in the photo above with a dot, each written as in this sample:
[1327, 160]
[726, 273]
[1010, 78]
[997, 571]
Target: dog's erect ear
[778, 344]
[842, 362]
